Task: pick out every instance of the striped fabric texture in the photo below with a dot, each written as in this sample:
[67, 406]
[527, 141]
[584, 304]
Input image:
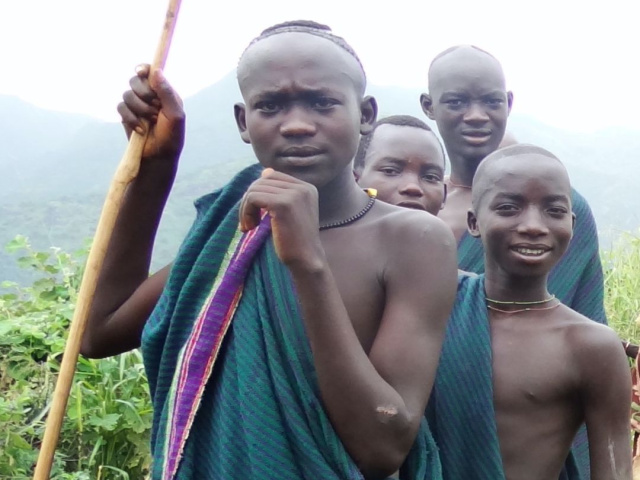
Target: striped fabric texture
[576, 280]
[260, 414]
[197, 357]
[460, 410]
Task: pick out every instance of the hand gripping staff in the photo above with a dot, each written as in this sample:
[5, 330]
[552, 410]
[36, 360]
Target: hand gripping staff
[126, 172]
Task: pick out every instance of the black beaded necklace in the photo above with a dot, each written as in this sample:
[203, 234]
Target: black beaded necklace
[372, 192]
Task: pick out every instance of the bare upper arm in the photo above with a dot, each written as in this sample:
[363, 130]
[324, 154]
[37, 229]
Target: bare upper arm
[121, 330]
[606, 396]
[420, 285]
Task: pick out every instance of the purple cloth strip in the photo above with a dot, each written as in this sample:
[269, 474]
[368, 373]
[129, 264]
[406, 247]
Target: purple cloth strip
[206, 339]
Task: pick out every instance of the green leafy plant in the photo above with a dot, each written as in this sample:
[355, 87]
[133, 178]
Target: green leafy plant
[106, 432]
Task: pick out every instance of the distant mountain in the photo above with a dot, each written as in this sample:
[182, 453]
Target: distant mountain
[57, 166]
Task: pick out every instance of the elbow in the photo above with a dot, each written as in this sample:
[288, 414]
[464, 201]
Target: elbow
[382, 465]
[383, 455]
[88, 347]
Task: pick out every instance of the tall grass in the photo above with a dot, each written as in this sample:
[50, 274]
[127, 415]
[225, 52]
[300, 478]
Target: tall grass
[621, 267]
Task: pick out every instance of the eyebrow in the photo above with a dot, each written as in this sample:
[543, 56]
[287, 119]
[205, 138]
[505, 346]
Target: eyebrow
[455, 93]
[520, 198]
[398, 161]
[277, 93]
[557, 198]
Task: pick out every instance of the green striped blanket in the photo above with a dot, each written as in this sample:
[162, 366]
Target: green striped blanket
[260, 414]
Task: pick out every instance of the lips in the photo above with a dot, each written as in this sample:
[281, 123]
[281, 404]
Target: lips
[299, 156]
[300, 151]
[478, 136]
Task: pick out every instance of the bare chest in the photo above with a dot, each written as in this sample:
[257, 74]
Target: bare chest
[532, 367]
[358, 271]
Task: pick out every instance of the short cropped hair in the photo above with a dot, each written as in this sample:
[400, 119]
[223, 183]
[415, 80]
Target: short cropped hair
[398, 120]
[478, 189]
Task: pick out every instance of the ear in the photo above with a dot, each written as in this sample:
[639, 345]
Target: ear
[240, 114]
[573, 223]
[509, 100]
[472, 223]
[368, 114]
[427, 105]
[356, 175]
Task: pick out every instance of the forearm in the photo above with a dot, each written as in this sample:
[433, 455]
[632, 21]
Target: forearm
[369, 415]
[126, 264]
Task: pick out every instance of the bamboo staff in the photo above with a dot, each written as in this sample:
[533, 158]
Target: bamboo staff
[126, 172]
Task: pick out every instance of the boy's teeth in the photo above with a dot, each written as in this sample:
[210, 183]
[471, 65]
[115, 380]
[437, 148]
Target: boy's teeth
[529, 251]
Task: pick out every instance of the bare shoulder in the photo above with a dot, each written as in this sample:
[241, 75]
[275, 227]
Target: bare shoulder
[593, 345]
[416, 247]
[402, 228]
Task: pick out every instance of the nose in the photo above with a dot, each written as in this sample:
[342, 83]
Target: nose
[476, 113]
[297, 122]
[411, 188]
[532, 223]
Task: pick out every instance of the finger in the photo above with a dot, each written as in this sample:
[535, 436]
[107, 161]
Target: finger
[169, 99]
[270, 173]
[143, 70]
[252, 206]
[249, 212]
[142, 88]
[134, 109]
[129, 120]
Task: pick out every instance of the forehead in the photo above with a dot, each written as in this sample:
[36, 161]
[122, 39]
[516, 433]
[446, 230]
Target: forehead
[405, 142]
[300, 60]
[529, 175]
[465, 69]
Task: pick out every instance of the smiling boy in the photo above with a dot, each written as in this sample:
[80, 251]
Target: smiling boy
[404, 161]
[520, 371]
[470, 104]
[280, 348]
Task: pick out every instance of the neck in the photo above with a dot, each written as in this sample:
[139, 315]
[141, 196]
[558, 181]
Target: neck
[505, 287]
[340, 198]
[463, 170]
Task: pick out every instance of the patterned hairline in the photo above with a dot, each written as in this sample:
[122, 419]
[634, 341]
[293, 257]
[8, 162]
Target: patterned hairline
[317, 31]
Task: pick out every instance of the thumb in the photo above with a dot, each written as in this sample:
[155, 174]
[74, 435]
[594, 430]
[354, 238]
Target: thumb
[169, 99]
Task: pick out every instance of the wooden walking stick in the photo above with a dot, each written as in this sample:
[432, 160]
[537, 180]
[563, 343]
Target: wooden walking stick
[126, 172]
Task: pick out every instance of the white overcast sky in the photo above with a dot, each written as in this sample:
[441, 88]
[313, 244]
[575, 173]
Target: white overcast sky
[574, 64]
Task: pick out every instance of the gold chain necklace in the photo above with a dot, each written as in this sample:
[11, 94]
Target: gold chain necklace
[534, 302]
[510, 312]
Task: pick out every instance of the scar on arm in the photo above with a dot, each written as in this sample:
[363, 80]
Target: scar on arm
[389, 411]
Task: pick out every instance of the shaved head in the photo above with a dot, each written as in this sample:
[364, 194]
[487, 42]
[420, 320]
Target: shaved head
[463, 58]
[501, 162]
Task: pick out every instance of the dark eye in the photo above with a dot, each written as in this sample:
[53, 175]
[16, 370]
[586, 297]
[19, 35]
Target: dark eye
[494, 102]
[455, 102]
[507, 209]
[323, 103]
[432, 178]
[268, 106]
[390, 171]
[557, 211]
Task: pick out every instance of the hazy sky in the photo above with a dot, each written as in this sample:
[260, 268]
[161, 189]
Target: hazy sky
[569, 64]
